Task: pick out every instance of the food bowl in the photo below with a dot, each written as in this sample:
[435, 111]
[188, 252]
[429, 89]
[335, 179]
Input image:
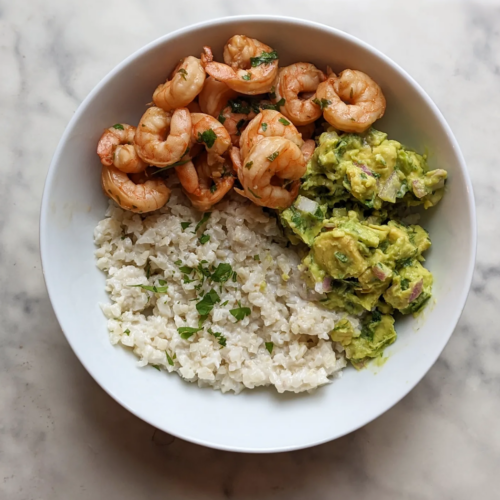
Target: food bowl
[259, 420]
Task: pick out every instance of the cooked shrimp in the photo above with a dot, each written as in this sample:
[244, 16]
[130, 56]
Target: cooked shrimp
[235, 117]
[194, 107]
[204, 184]
[250, 66]
[268, 123]
[116, 147]
[209, 131]
[352, 101]
[215, 96]
[308, 149]
[186, 83]
[271, 173]
[145, 197]
[161, 138]
[297, 85]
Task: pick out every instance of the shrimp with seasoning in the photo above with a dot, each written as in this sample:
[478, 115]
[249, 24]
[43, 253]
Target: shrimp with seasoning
[210, 132]
[215, 96]
[297, 85]
[235, 117]
[162, 138]
[204, 184]
[308, 149]
[142, 197]
[351, 102]
[187, 81]
[268, 123]
[116, 147]
[270, 174]
[250, 65]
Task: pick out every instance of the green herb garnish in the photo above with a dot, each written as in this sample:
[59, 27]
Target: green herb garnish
[204, 238]
[170, 361]
[239, 125]
[272, 94]
[187, 331]
[249, 165]
[225, 303]
[118, 126]
[284, 121]
[178, 262]
[239, 107]
[269, 346]
[222, 273]
[264, 58]
[235, 277]
[156, 367]
[183, 73]
[213, 188]
[255, 195]
[155, 289]
[185, 225]
[273, 156]
[247, 77]
[264, 126]
[404, 284]
[127, 331]
[221, 118]
[240, 312]
[186, 269]
[341, 257]
[220, 338]
[205, 306]
[323, 103]
[202, 221]
[256, 257]
[208, 137]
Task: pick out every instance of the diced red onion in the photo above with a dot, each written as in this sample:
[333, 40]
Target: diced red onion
[379, 273]
[417, 290]
[390, 188]
[365, 169]
[327, 284]
[418, 188]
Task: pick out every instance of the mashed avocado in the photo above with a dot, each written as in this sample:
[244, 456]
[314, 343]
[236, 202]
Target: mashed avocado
[357, 191]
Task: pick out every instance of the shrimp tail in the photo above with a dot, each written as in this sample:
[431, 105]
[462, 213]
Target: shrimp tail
[206, 56]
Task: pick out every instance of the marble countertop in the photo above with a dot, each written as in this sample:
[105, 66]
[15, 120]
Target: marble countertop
[62, 437]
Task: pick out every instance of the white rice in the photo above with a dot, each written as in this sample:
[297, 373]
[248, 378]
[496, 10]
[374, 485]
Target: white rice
[302, 357]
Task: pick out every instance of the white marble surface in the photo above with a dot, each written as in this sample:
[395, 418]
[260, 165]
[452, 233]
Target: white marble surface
[62, 437]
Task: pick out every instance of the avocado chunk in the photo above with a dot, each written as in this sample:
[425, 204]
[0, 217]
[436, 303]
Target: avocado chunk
[343, 332]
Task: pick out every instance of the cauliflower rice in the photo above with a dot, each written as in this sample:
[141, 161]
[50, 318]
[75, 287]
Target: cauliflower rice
[283, 342]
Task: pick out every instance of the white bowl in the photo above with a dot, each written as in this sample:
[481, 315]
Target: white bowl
[259, 420]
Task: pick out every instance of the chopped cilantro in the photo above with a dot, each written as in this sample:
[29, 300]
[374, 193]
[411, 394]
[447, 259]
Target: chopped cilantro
[185, 225]
[178, 262]
[284, 121]
[404, 284]
[264, 58]
[404, 262]
[148, 270]
[239, 125]
[255, 195]
[220, 338]
[323, 103]
[264, 126]
[202, 221]
[341, 257]
[155, 289]
[183, 73]
[247, 77]
[221, 118]
[240, 312]
[213, 188]
[205, 306]
[249, 165]
[273, 156]
[238, 106]
[186, 269]
[127, 331]
[256, 257]
[187, 331]
[222, 273]
[169, 359]
[269, 346]
[118, 126]
[272, 94]
[204, 238]
[156, 367]
[234, 277]
[208, 137]
[225, 303]
[162, 282]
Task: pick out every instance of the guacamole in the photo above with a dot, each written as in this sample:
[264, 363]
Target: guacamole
[356, 194]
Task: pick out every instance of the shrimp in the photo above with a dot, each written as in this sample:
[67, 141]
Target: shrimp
[140, 198]
[187, 81]
[308, 149]
[215, 96]
[271, 173]
[208, 130]
[116, 147]
[204, 184]
[294, 84]
[235, 117]
[161, 138]
[250, 66]
[194, 107]
[352, 101]
[268, 123]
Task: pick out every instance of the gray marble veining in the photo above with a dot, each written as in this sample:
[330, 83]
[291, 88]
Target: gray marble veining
[62, 437]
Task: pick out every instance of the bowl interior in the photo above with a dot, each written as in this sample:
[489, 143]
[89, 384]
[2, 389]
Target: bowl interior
[259, 420]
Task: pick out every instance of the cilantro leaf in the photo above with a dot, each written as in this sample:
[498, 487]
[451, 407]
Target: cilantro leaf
[341, 257]
[169, 359]
[234, 277]
[204, 238]
[323, 103]
[269, 346]
[208, 137]
[247, 77]
[272, 94]
[238, 106]
[213, 188]
[156, 367]
[284, 121]
[186, 269]
[202, 221]
[222, 273]
[240, 312]
[178, 262]
[155, 289]
[183, 73]
[249, 165]
[221, 118]
[220, 338]
[206, 304]
[255, 195]
[162, 282]
[127, 331]
[264, 58]
[187, 331]
[118, 126]
[185, 225]
[264, 126]
[273, 156]
[256, 257]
